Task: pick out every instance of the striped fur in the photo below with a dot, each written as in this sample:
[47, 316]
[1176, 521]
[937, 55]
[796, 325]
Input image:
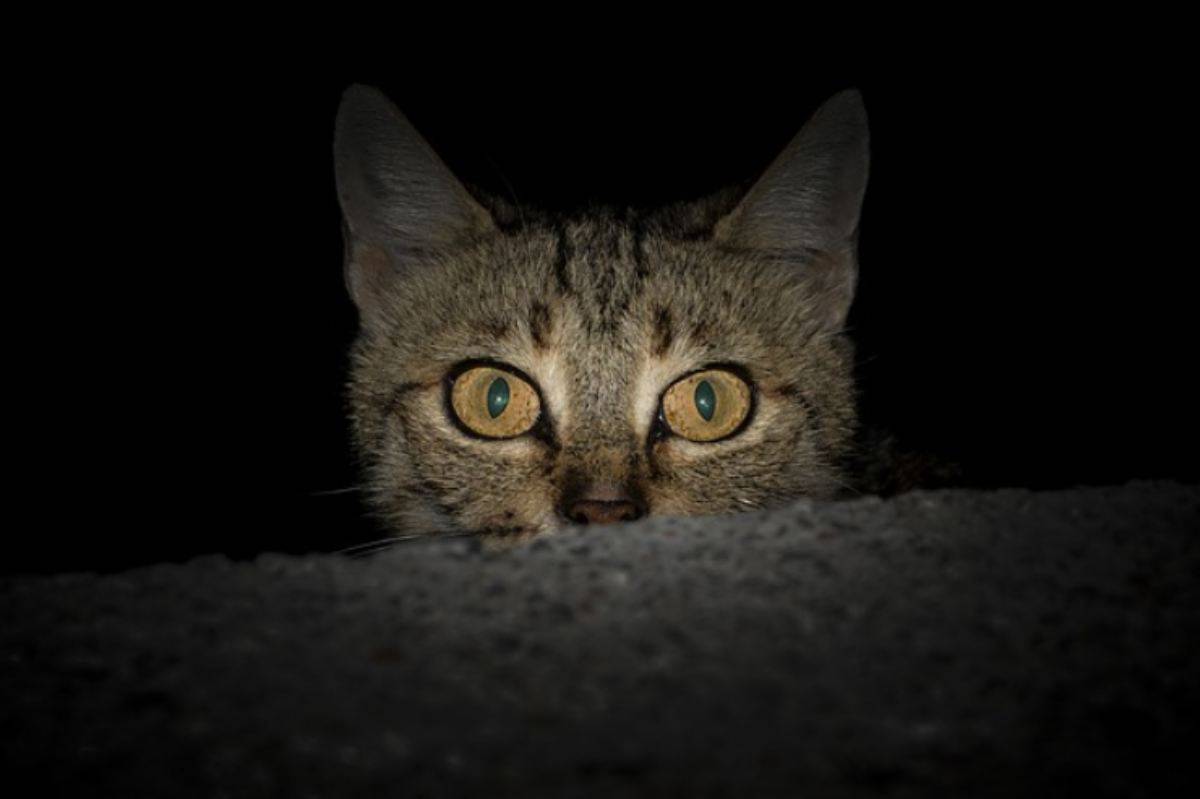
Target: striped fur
[603, 310]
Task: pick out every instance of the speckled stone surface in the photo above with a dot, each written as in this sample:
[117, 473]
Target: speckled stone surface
[938, 644]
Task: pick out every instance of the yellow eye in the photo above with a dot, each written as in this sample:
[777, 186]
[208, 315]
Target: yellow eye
[494, 403]
[707, 406]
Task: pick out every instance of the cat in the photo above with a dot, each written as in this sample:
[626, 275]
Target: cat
[518, 373]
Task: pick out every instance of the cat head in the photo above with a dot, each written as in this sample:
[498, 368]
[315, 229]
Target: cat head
[515, 374]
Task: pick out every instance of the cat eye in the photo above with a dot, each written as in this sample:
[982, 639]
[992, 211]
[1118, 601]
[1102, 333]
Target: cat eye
[494, 403]
[707, 406]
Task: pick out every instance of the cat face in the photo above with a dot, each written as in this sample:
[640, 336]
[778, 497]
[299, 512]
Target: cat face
[515, 375]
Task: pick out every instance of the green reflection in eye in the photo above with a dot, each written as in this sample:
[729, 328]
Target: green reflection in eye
[497, 397]
[706, 400]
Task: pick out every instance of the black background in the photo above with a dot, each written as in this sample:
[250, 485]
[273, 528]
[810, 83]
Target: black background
[1023, 302]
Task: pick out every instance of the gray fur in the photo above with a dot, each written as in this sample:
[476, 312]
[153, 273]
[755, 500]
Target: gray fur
[603, 310]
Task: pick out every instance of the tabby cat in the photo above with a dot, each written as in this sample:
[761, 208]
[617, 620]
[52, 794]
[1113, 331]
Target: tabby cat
[516, 374]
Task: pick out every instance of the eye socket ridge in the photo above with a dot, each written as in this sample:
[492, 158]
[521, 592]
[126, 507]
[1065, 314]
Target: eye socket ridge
[740, 393]
[521, 410]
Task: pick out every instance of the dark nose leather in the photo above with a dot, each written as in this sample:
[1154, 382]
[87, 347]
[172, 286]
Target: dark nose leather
[594, 511]
[604, 503]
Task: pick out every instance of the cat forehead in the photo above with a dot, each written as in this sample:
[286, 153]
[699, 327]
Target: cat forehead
[607, 270]
[584, 284]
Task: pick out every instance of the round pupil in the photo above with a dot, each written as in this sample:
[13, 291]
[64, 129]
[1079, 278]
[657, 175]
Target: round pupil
[497, 397]
[706, 400]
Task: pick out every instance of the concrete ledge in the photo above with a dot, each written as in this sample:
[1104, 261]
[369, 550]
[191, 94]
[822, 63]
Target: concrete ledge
[950, 643]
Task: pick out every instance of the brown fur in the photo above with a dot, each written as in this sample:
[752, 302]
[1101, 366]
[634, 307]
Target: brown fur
[604, 311]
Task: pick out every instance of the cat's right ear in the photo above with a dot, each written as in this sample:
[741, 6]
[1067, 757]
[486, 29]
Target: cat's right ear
[398, 199]
[806, 205]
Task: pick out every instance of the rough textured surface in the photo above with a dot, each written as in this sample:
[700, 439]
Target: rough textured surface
[950, 643]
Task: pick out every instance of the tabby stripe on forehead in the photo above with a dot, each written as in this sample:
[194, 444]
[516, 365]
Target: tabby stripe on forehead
[496, 328]
[663, 333]
[539, 324]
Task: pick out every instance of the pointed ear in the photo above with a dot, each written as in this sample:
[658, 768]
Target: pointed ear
[808, 201]
[398, 199]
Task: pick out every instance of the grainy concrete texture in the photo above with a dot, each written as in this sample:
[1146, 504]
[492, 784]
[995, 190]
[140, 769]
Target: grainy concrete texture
[950, 643]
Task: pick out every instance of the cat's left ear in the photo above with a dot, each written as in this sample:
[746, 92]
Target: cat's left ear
[807, 204]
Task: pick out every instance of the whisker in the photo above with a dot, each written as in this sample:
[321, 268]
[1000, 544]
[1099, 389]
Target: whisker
[374, 547]
[866, 360]
[367, 546]
[332, 491]
[846, 486]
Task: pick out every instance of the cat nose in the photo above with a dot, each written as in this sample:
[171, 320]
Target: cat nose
[604, 506]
